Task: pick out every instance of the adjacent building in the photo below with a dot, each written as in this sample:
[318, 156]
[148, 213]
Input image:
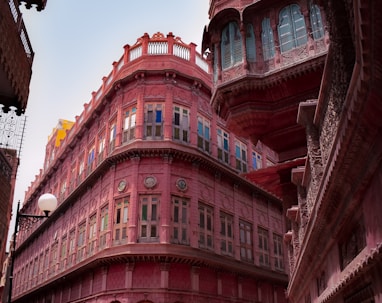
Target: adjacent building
[335, 241]
[293, 80]
[177, 184]
[152, 203]
[16, 57]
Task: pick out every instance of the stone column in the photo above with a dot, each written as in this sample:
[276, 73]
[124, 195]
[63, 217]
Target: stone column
[216, 46]
[134, 203]
[243, 33]
[165, 205]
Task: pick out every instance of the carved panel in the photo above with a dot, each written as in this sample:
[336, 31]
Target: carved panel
[232, 73]
[227, 201]
[182, 96]
[155, 92]
[263, 218]
[294, 55]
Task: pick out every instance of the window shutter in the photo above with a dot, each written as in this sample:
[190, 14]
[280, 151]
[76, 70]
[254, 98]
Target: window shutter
[267, 39]
[316, 21]
[285, 30]
[237, 44]
[225, 48]
[250, 44]
[299, 25]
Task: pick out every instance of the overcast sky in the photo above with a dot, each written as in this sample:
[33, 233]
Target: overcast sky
[75, 43]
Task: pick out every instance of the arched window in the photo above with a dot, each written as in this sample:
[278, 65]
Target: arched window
[231, 49]
[250, 43]
[267, 39]
[292, 29]
[316, 21]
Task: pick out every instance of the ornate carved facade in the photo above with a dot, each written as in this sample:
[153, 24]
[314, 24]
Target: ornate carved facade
[152, 206]
[338, 258]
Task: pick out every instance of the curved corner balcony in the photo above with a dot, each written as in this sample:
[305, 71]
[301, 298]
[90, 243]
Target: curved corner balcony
[135, 58]
[167, 55]
[263, 69]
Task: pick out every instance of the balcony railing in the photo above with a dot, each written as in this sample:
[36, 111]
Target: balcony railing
[17, 17]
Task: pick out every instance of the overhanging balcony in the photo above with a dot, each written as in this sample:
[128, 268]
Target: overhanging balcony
[16, 57]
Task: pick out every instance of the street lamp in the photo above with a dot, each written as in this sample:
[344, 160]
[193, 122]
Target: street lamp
[47, 203]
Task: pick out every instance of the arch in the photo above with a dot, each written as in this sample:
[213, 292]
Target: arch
[231, 45]
[291, 28]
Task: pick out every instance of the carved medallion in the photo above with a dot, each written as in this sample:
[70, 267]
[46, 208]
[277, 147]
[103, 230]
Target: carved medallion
[122, 186]
[150, 181]
[181, 184]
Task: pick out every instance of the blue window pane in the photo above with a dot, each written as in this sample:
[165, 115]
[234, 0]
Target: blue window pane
[207, 133]
[158, 117]
[237, 152]
[226, 144]
[200, 128]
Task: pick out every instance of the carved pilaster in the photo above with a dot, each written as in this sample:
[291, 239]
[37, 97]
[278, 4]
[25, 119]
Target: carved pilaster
[305, 117]
[195, 270]
[295, 240]
[297, 179]
[314, 153]
[129, 275]
[164, 268]
[304, 214]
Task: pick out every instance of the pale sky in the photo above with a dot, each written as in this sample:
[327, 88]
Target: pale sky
[75, 43]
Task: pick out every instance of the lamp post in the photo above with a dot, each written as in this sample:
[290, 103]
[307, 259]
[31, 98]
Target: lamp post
[47, 203]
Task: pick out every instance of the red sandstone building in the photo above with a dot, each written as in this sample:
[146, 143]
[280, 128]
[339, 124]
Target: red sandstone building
[270, 93]
[156, 179]
[152, 207]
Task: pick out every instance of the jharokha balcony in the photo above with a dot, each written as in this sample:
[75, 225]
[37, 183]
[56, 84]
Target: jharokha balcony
[264, 64]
